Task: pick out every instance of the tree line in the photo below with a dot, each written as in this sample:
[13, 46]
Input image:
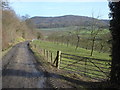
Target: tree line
[14, 26]
[92, 39]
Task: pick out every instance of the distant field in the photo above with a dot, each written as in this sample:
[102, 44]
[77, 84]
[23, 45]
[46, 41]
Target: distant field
[71, 28]
[49, 31]
[62, 31]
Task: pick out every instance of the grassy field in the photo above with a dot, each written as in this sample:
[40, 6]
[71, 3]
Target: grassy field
[70, 50]
[78, 65]
[59, 29]
[71, 33]
[71, 29]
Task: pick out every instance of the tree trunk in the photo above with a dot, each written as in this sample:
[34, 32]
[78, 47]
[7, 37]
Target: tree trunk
[67, 43]
[77, 42]
[115, 31]
[101, 48]
[93, 44]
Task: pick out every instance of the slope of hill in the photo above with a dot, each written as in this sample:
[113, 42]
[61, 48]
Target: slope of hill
[106, 21]
[65, 21]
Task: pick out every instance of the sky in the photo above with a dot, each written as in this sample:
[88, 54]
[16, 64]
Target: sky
[52, 9]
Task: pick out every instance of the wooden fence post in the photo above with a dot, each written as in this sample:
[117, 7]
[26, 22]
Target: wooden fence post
[51, 57]
[47, 56]
[58, 59]
[35, 45]
[85, 67]
[44, 52]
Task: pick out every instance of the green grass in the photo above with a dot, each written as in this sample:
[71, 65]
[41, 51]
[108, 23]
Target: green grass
[86, 66]
[59, 29]
[70, 50]
[72, 29]
[76, 65]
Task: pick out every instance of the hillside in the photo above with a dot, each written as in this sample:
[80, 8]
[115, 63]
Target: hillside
[65, 21]
[14, 30]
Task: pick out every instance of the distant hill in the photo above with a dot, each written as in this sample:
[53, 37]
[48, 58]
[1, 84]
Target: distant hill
[106, 21]
[66, 21]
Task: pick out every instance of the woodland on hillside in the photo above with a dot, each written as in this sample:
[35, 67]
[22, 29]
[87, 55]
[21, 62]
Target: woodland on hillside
[66, 21]
[15, 28]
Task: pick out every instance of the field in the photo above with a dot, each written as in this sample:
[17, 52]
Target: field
[65, 30]
[70, 50]
[79, 61]
[49, 31]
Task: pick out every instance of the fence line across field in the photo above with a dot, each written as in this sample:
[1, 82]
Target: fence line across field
[89, 67]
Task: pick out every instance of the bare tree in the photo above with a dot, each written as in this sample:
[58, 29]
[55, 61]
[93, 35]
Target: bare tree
[78, 37]
[68, 39]
[13, 28]
[95, 29]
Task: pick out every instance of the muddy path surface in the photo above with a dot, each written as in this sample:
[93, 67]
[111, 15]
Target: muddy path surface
[19, 69]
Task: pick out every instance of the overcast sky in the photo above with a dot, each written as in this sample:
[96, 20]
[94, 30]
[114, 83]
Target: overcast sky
[59, 8]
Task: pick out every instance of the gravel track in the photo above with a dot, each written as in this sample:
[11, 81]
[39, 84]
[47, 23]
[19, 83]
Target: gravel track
[19, 69]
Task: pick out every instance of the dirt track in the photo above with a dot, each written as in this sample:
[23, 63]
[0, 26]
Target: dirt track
[19, 69]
